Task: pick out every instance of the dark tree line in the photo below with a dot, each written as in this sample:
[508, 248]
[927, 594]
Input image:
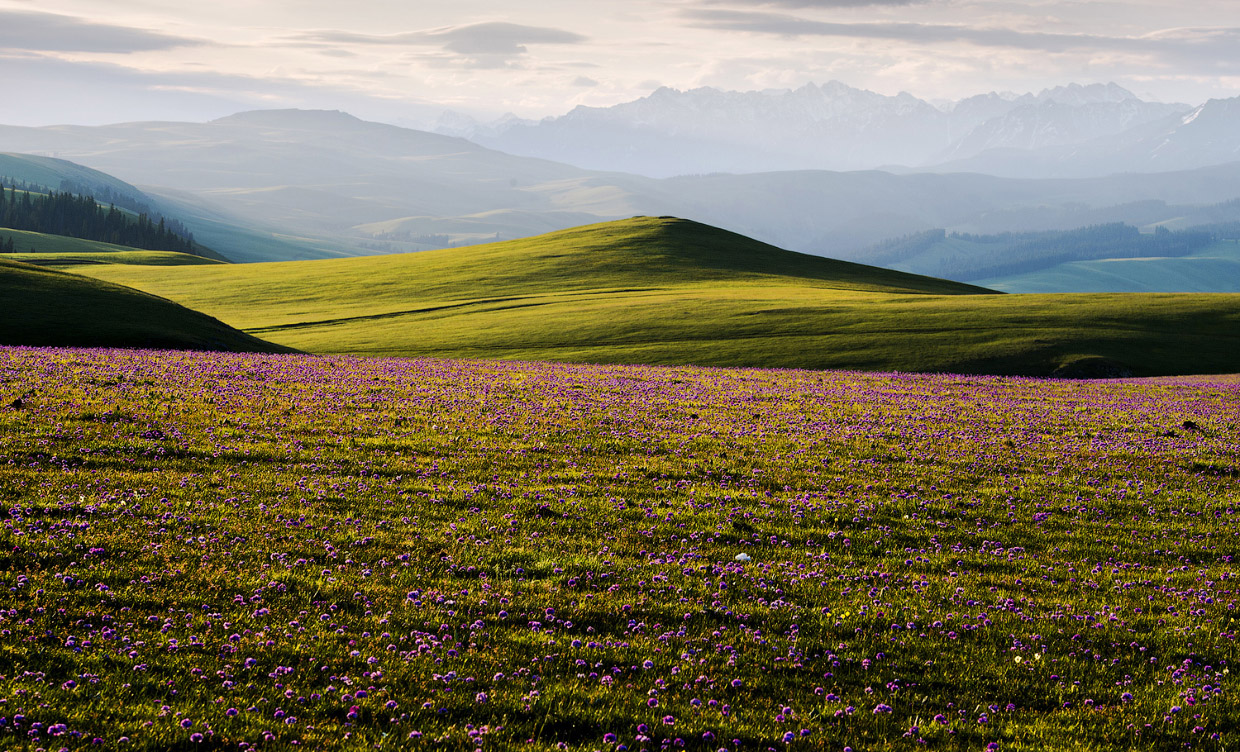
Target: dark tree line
[1222, 230]
[438, 241]
[22, 185]
[59, 213]
[106, 195]
[1023, 253]
[903, 248]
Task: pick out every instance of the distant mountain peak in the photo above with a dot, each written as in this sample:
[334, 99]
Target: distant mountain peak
[1080, 94]
[1215, 120]
[291, 118]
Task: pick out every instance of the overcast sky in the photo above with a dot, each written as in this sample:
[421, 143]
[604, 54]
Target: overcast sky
[99, 61]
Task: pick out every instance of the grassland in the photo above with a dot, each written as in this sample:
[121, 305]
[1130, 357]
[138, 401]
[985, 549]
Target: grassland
[44, 307]
[291, 552]
[667, 291]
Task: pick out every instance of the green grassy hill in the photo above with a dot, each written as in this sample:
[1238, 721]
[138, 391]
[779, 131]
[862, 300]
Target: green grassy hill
[663, 290]
[34, 243]
[127, 256]
[43, 307]
[42, 249]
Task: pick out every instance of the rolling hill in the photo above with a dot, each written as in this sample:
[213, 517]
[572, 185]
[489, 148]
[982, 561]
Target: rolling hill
[52, 172]
[47, 308]
[669, 291]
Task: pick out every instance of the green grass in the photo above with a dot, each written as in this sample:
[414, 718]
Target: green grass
[1216, 269]
[675, 292]
[790, 328]
[41, 249]
[44, 307]
[122, 257]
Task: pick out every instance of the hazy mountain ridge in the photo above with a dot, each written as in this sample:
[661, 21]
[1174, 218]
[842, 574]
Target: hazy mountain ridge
[1200, 137]
[830, 126]
[1052, 123]
[292, 184]
[309, 177]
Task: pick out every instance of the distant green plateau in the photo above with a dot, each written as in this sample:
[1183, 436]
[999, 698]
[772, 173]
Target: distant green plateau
[669, 291]
[1214, 268]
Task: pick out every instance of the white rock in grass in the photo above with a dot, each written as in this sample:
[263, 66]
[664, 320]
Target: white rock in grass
[743, 557]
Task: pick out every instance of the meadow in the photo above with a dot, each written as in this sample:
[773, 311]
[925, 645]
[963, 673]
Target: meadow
[212, 551]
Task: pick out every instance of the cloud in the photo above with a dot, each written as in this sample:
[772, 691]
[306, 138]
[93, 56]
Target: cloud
[491, 44]
[48, 32]
[584, 81]
[1215, 46]
[91, 92]
[503, 38]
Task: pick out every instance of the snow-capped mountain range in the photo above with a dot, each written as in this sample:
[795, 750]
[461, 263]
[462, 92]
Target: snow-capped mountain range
[836, 127]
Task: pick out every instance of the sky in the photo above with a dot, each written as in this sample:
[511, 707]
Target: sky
[93, 62]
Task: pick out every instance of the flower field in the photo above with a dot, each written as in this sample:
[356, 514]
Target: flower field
[295, 552]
